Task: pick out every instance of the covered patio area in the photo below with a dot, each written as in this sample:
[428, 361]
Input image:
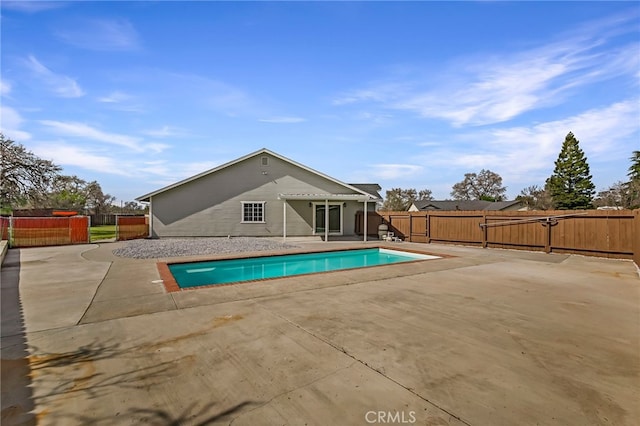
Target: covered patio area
[328, 211]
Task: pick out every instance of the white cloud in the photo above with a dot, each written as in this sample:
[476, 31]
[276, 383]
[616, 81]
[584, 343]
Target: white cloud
[69, 155]
[5, 87]
[527, 153]
[283, 120]
[101, 34]
[156, 147]
[61, 85]
[32, 6]
[121, 101]
[165, 132]
[10, 124]
[115, 97]
[173, 172]
[73, 129]
[395, 171]
[487, 90]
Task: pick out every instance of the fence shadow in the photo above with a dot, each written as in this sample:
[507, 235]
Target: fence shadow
[15, 382]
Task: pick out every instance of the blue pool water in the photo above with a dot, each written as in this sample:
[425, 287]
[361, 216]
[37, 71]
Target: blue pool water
[258, 268]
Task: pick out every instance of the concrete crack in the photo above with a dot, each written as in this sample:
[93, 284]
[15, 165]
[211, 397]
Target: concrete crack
[364, 363]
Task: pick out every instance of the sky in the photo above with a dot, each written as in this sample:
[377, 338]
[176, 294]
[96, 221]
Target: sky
[139, 95]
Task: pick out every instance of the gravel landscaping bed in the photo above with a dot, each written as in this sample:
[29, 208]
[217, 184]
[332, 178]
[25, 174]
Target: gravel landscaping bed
[173, 247]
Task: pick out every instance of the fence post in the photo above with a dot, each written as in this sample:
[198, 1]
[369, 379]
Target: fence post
[428, 226]
[88, 229]
[10, 232]
[410, 225]
[484, 231]
[547, 244]
[117, 228]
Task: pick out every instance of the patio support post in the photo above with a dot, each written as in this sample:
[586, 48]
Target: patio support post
[150, 217]
[365, 221]
[326, 220]
[284, 220]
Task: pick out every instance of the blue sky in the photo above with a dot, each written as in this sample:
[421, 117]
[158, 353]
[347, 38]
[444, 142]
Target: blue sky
[138, 95]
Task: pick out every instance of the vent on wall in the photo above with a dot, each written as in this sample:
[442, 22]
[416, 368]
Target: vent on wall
[265, 161]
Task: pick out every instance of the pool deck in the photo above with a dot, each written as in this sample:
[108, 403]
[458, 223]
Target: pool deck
[479, 337]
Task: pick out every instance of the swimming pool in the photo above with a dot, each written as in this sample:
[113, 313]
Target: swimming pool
[229, 271]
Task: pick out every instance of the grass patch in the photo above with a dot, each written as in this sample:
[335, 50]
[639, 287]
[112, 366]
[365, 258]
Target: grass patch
[102, 232]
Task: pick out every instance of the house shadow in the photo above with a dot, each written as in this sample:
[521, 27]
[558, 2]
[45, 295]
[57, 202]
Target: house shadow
[15, 381]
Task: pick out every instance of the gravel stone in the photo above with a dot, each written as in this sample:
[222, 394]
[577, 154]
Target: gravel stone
[174, 247]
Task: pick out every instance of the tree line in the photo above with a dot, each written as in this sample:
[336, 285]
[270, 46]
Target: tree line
[27, 181]
[570, 186]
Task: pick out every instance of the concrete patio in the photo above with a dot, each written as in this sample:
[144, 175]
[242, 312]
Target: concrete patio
[479, 337]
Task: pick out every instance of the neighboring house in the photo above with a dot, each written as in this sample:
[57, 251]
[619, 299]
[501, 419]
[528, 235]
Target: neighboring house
[262, 194]
[446, 205]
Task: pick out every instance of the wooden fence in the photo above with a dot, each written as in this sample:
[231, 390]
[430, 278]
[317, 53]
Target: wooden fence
[45, 231]
[103, 219]
[131, 227]
[604, 233]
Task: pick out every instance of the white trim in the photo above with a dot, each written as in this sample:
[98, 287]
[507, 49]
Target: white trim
[264, 213]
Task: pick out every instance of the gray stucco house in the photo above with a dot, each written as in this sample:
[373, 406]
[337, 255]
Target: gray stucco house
[262, 194]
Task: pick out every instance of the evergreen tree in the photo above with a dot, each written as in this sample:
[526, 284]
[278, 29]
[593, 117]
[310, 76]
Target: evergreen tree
[570, 184]
[634, 169]
[633, 186]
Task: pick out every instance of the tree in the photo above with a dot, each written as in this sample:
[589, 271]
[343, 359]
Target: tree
[634, 169]
[24, 177]
[616, 196]
[398, 199]
[97, 201]
[570, 184]
[68, 192]
[134, 207]
[485, 185]
[535, 198]
[73, 193]
[633, 186]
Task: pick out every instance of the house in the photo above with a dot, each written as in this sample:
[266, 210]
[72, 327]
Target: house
[423, 205]
[262, 194]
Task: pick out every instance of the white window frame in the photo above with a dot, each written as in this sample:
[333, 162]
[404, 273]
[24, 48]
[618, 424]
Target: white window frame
[242, 211]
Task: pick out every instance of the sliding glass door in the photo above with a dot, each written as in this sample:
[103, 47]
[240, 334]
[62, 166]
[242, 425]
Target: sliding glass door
[335, 218]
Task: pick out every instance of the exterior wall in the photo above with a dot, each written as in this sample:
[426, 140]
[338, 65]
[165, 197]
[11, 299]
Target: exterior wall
[211, 205]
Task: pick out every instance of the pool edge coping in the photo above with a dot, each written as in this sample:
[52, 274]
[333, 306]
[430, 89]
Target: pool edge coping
[171, 285]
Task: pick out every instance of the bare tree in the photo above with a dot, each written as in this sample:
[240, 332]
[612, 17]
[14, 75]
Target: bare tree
[24, 177]
[398, 199]
[485, 185]
[535, 198]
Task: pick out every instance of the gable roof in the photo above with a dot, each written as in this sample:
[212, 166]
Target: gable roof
[359, 188]
[464, 205]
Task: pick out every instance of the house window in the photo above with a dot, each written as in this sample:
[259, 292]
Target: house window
[265, 161]
[253, 211]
